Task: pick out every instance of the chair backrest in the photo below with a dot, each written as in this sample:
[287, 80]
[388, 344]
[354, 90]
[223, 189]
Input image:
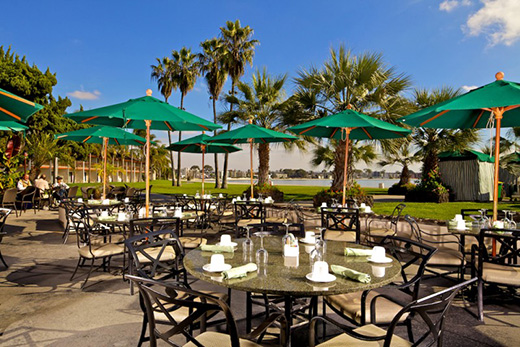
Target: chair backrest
[507, 250]
[161, 296]
[249, 210]
[413, 256]
[10, 195]
[396, 214]
[146, 225]
[130, 192]
[428, 315]
[72, 192]
[28, 194]
[156, 255]
[436, 239]
[342, 219]
[4, 212]
[475, 212]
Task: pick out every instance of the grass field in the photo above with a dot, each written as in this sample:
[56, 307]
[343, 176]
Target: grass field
[302, 193]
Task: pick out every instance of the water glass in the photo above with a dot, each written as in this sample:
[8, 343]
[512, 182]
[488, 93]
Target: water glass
[261, 254]
[247, 246]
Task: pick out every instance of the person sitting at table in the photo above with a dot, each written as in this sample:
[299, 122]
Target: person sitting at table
[24, 182]
[60, 189]
[41, 183]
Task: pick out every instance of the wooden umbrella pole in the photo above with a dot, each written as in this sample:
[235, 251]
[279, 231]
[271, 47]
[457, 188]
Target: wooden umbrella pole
[105, 145]
[203, 151]
[147, 166]
[251, 157]
[347, 131]
[498, 116]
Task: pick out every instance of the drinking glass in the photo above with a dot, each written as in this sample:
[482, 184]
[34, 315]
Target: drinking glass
[320, 242]
[261, 254]
[512, 223]
[245, 197]
[286, 237]
[247, 245]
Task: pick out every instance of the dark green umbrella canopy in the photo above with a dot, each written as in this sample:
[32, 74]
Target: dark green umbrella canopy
[116, 136]
[196, 143]
[251, 131]
[472, 109]
[12, 126]
[133, 113]
[362, 127]
[15, 108]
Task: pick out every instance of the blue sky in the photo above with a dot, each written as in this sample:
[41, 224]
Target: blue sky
[101, 51]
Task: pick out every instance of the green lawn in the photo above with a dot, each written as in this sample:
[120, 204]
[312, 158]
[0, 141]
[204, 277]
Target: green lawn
[300, 193]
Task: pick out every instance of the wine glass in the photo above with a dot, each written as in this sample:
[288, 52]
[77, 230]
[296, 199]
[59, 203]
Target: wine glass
[320, 241]
[286, 238]
[247, 245]
[512, 223]
[261, 254]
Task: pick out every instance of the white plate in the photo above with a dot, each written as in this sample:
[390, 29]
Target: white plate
[208, 268]
[233, 244]
[380, 261]
[308, 241]
[327, 278]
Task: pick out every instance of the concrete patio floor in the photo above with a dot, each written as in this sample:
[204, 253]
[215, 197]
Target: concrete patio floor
[40, 306]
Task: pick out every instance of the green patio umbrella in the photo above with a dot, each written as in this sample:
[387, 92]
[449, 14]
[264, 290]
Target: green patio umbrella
[498, 101]
[144, 113]
[12, 126]
[201, 144]
[252, 133]
[15, 108]
[105, 135]
[346, 125]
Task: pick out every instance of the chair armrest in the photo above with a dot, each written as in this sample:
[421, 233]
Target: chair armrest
[346, 329]
[267, 323]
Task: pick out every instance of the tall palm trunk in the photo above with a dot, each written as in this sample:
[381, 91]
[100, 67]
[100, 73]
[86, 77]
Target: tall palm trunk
[263, 165]
[179, 154]
[171, 158]
[404, 178]
[217, 178]
[431, 162]
[226, 156]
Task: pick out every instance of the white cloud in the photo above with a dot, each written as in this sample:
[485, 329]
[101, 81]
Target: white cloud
[497, 20]
[468, 88]
[83, 95]
[450, 5]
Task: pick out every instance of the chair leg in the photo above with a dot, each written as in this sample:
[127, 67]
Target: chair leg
[480, 300]
[76, 269]
[142, 337]
[3, 260]
[88, 275]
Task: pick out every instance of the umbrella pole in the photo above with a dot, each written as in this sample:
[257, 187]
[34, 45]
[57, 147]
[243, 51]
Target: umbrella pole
[105, 145]
[251, 157]
[347, 131]
[498, 116]
[203, 150]
[147, 166]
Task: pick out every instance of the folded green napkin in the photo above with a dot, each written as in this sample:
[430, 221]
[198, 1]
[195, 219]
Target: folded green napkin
[238, 272]
[94, 202]
[107, 218]
[217, 248]
[352, 274]
[357, 252]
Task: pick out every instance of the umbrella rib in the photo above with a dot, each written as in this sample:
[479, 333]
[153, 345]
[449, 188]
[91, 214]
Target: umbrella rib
[509, 108]
[366, 132]
[168, 125]
[395, 132]
[88, 119]
[10, 113]
[117, 142]
[334, 132]
[18, 98]
[304, 131]
[478, 118]
[88, 138]
[437, 115]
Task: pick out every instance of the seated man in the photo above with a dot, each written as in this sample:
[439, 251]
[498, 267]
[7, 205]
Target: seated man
[60, 189]
[24, 182]
[43, 187]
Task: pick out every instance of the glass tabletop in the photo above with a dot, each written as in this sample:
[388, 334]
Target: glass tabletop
[287, 276]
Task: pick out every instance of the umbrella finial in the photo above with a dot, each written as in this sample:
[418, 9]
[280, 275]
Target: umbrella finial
[349, 107]
[499, 76]
[148, 92]
[250, 121]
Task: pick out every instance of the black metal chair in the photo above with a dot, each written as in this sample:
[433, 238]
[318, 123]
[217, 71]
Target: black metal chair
[449, 258]
[94, 243]
[4, 213]
[428, 315]
[389, 227]
[248, 212]
[26, 198]
[379, 306]
[164, 297]
[341, 224]
[502, 268]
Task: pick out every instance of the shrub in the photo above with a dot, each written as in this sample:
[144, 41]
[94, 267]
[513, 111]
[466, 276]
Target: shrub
[355, 192]
[430, 189]
[397, 189]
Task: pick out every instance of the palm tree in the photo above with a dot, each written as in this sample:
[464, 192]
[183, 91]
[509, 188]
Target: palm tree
[262, 100]
[400, 155]
[239, 51]
[186, 70]
[433, 141]
[362, 82]
[214, 70]
[164, 73]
